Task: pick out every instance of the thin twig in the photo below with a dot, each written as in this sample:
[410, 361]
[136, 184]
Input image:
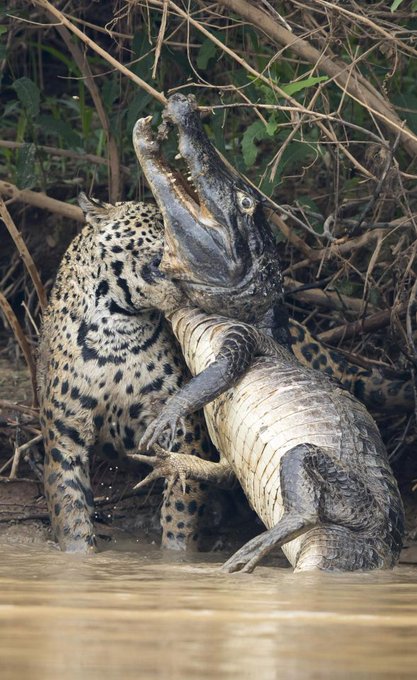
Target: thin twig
[103, 53]
[114, 163]
[65, 153]
[368, 207]
[24, 254]
[23, 343]
[160, 38]
[21, 408]
[18, 453]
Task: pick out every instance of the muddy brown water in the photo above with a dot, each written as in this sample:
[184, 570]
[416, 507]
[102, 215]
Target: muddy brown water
[139, 613]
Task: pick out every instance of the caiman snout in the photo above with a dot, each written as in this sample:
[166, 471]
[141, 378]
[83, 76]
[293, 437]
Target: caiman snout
[143, 140]
[219, 245]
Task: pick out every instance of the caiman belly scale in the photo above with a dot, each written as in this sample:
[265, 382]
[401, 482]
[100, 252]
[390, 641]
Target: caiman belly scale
[308, 455]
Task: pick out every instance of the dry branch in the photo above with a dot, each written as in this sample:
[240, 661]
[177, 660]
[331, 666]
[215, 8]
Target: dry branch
[362, 92]
[64, 153]
[367, 325]
[23, 343]
[7, 405]
[337, 249]
[18, 454]
[24, 254]
[54, 11]
[324, 298]
[40, 200]
[83, 65]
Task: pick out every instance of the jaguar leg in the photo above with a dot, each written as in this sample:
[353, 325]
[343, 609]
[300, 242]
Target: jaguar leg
[69, 495]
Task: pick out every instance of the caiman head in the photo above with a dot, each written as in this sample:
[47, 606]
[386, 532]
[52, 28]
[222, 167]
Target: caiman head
[219, 247]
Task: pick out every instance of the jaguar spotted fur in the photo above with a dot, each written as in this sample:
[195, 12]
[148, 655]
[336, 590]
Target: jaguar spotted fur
[107, 361]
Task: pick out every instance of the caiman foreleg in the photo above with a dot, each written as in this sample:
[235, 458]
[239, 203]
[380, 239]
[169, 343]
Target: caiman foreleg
[234, 357]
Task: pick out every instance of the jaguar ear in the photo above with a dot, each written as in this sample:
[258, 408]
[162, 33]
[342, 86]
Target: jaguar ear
[92, 208]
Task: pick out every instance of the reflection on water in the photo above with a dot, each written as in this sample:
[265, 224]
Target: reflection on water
[134, 615]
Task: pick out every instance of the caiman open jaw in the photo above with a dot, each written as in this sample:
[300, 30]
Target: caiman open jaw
[218, 243]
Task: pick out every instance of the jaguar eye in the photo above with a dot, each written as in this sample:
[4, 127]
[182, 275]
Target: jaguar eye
[156, 261]
[246, 203]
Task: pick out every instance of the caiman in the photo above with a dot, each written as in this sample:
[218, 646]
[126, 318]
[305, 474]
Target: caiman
[220, 250]
[307, 454]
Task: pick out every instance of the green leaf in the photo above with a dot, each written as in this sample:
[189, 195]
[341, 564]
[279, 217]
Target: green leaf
[269, 95]
[29, 95]
[109, 93]
[207, 51]
[57, 54]
[56, 127]
[272, 126]
[11, 108]
[3, 29]
[254, 133]
[26, 167]
[299, 85]
[395, 5]
[135, 108]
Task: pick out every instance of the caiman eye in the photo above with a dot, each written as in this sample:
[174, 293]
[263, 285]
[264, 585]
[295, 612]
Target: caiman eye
[246, 203]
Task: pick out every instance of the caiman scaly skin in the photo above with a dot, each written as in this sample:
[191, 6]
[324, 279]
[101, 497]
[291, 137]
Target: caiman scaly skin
[307, 453]
[220, 250]
[104, 365]
[107, 361]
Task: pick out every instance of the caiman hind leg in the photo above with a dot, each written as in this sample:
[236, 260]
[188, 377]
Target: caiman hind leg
[300, 499]
[320, 494]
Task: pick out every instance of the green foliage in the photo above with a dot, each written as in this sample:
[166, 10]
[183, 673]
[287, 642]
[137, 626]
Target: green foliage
[207, 51]
[28, 94]
[47, 103]
[254, 133]
[26, 175]
[300, 85]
